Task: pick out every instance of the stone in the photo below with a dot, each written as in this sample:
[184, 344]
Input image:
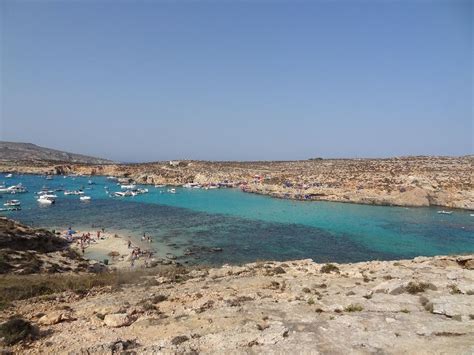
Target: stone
[55, 317]
[117, 320]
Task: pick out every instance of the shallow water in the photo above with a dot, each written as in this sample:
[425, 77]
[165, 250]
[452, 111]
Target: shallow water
[248, 227]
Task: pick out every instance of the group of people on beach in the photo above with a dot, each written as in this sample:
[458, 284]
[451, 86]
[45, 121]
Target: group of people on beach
[137, 252]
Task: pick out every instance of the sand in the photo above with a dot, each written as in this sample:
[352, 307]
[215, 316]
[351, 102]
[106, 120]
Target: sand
[100, 249]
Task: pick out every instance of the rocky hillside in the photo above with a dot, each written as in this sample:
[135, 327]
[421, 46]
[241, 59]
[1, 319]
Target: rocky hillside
[26, 250]
[15, 152]
[423, 306]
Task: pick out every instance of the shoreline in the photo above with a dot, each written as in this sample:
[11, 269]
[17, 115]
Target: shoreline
[101, 249]
[403, 182]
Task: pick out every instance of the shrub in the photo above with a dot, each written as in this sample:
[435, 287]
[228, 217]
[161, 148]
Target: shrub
[310, 301]
[454, 290]
[15, 330]
[417, 287]
[328, 268]
[354, 308]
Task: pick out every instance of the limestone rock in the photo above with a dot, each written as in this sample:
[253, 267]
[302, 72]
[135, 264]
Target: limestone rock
[117, 320]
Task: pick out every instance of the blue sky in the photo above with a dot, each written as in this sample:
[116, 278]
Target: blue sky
[238, 80]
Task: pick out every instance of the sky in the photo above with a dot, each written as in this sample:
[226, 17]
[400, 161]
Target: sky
[238, 79]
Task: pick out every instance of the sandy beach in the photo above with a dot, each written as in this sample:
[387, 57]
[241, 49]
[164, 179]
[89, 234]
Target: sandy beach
[109, 242]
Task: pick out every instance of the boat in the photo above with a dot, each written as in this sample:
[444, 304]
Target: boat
[128, 187]
[127, 193]
[14, 208]
[14, 189]
[160, 185]
[90, 182]
[45, 200]
[73, 192]
[112, 178]
[445, 212]
[49, 177]
[12, 203]
[172, 191]
[8, 175]
[85, 198]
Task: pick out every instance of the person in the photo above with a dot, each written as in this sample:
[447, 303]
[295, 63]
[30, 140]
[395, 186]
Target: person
[129, 244]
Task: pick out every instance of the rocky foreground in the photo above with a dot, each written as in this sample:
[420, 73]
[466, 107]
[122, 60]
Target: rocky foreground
[423, 306]
[408, 181]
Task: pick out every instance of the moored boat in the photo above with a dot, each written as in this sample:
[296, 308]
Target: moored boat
[445, 212]
[85, 198]
[12, 203]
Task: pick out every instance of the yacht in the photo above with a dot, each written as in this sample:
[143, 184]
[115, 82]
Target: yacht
[46, 200]
[14, 189]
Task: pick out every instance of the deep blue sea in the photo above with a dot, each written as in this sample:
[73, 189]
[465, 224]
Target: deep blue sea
[247, 227]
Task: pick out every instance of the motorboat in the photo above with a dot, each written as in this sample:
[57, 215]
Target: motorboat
[85, 198]
[128, 187]
[127, 193]
[14, 189]
[445, 212]
[160, 185]
[112, 178]
[45, 200]
[73, 192]
[12, 203]
[8, 175]
[192, 185]
[172, 191]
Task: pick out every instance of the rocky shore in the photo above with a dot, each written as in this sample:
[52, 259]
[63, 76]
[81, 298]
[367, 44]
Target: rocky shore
[423, 306]
[406, 181]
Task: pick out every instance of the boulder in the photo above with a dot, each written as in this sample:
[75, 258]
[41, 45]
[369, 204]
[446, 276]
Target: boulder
[55, 317]
[117, 320]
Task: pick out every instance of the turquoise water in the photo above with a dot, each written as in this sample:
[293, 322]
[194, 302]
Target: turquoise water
[249, 227]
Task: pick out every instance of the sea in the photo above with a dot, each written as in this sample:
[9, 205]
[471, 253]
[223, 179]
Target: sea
[228, 226]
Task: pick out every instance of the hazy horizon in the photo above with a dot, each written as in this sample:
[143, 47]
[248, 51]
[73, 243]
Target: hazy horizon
[238, 81]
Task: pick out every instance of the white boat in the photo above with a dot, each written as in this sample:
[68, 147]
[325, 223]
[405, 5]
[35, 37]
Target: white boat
[14, 189]
[172, 191]
[49, 177]
[75, 192]
[472, 214]
[43, 199]
[119, 194]
[8, 175]
[445, 212]
[160, 185]
[128, 187]
[12, 203]
[85, 198]
[113, 178]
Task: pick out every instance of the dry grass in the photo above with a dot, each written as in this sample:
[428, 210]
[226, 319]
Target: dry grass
[20, 287]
